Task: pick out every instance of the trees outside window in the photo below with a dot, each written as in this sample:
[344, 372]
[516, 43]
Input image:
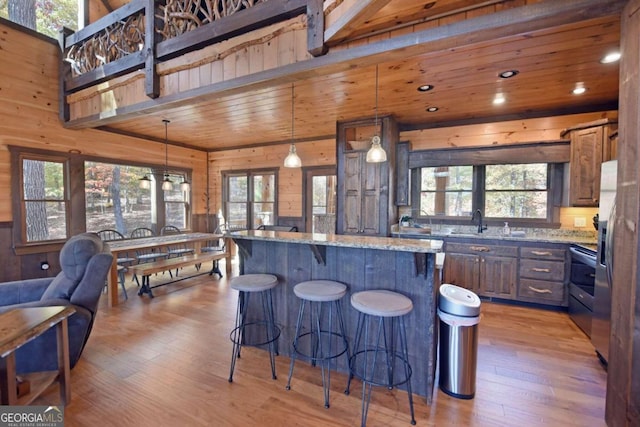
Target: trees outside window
[44, 200]
[45, 16]
[114, 199]
[446, 191]
[176, 202]
[506, 191]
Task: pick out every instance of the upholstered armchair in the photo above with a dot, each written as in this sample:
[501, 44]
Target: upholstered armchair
[85, 261]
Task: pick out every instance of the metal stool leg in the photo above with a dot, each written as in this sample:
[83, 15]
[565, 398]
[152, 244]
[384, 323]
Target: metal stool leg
[295, 342]
[236, 333]
[267, 307]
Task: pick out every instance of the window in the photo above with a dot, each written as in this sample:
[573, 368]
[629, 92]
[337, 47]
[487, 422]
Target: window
[507, 191]
[516, 191]
[446, 191]
[114, 199]
[44, 199]
[250, 199]
[320, 184]
[176, 204]
[59, 195]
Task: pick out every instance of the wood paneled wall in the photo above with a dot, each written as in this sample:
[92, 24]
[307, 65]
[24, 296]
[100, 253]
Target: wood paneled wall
[29, 111]
[314, 153]
[262, 49]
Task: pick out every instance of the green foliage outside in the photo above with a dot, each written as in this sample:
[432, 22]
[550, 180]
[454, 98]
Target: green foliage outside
[51, 15]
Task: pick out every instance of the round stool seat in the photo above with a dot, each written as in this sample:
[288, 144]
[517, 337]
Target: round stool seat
[381, 303]
[254, 282]
[320, 290]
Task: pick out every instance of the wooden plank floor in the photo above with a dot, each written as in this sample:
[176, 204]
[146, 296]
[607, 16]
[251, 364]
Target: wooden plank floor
[165, 362]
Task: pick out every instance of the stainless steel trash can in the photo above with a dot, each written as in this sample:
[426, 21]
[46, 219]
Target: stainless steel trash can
[459, 314]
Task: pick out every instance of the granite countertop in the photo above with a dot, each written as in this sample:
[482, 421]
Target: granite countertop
[426, 244]
[539, 235]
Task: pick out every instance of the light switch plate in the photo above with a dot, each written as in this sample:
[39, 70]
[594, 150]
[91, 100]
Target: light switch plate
[579, 221]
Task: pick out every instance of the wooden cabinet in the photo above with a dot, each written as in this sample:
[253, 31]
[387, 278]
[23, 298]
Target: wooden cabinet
[488, 270]
[514, 271]
[365, 190]
[590, 146]
[543, 275]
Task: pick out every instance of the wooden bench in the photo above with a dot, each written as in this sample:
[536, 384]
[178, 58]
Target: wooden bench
[149, 268]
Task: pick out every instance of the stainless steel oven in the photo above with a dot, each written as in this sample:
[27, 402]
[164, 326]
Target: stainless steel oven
[581, 286]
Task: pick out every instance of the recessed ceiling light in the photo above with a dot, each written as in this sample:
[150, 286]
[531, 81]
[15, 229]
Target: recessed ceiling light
[432, 109]
[425, 88]
[499, 99]
[579, 90]
[610, 57]
[508, 74]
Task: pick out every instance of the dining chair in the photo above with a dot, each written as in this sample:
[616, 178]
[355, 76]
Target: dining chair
[147, 254]
[124, 260]
[177, 250]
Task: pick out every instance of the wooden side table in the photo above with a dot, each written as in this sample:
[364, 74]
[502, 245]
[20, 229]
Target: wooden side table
[18, 327]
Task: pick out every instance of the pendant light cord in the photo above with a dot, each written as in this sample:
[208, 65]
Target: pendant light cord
[376, 123]
[292, 116]
[166, 148]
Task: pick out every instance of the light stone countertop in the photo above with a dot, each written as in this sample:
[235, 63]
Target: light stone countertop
[425, 244]
[528, 237]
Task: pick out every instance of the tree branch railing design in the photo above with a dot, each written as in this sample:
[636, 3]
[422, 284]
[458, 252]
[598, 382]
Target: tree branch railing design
[116, 41]
[181, 16]
[142, 32]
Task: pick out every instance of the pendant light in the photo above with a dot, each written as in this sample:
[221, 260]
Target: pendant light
[145, 182]
[292, 160]
[167, 185]
[376, 153]
[185, 185]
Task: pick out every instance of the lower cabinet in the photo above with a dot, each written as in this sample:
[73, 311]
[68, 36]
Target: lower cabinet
[488, 270]
[543, 275]
[519, 272]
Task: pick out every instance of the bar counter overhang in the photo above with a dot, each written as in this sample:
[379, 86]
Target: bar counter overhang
[361, 262]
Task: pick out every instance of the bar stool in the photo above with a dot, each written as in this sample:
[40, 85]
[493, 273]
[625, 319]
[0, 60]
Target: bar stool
[317, 344]
[375, 360]
[249, 332]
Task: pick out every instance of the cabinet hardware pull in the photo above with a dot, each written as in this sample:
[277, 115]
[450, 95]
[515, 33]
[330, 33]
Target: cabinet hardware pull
[541, 270]
[540, 291]
[480, 248]
[541, 253]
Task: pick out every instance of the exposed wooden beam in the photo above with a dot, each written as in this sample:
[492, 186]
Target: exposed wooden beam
[106, 5]
[315, 28]
[353, 19]
[506, 23]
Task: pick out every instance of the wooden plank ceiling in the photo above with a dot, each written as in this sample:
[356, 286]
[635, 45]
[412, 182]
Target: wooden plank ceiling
[550, 64]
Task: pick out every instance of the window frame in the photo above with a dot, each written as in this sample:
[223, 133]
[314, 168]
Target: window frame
[20, 201]
[75, 185]
[249, 174]
[554, 153]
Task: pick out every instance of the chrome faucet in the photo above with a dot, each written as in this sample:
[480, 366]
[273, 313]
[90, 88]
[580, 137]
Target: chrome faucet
[478, 215]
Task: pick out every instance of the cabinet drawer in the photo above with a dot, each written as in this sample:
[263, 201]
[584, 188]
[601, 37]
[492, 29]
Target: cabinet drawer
[541, 292]
[481, 248]
[543, 253]
[542, 270]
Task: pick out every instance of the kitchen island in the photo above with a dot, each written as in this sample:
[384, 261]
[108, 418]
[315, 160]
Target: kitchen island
[406, 266]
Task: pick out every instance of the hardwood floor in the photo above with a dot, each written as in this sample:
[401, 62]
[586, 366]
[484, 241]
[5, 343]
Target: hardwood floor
[165, 362]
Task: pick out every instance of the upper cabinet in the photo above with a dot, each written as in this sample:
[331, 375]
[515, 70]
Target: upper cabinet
[365, 190]
[590, 146]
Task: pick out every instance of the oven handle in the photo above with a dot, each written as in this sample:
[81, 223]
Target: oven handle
[580, 256]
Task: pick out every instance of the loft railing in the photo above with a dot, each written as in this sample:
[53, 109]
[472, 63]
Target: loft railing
[144, 32]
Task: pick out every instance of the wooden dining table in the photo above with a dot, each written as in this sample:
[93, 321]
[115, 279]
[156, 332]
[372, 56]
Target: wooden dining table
[130, 245]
